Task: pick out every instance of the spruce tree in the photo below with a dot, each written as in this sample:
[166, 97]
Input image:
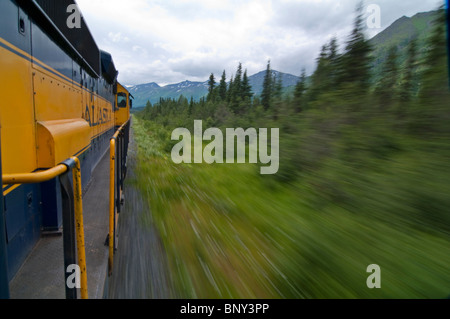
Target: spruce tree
[333, 54]
[278, 87]
[277, 94]
[246, 92]
[325, 79]
[223, 87]
[236, 91]
[230, 91]
[238, 81]
[266, 95]
[191, 106]
[299, 92]
[211, 86]
[434, 97]
[333, 59]
[320, 75]
[435, 78]
[407, 83]
[355, 63]
[386, 89]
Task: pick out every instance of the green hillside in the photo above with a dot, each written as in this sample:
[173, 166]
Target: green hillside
[399, 35]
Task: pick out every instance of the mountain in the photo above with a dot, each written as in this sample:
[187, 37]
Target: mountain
[153, 92]
[140, 91]
[400, 34]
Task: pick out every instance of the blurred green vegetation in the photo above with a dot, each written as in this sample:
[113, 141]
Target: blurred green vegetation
[364, 179]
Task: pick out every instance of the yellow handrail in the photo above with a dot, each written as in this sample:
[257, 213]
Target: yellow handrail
[112, 153]
[39, 177]
[31, 178]
[112, 172]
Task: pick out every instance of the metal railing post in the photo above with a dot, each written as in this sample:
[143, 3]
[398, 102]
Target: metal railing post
[4, 283]
[72, 214]
[112, 154]
[78, 206]
[118, 172]
[117, 160]
[68, 231]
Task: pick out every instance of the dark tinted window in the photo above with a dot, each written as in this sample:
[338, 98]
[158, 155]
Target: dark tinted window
[121, 100]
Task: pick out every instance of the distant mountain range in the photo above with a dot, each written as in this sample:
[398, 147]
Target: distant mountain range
[153, 92]
[399, 34]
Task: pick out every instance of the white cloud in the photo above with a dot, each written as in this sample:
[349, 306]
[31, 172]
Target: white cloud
[167, 41]
[118, 37]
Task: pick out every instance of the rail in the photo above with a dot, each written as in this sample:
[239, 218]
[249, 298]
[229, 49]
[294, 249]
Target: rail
[117, 172]
[70, 213]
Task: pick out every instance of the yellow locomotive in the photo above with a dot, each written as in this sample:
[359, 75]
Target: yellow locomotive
[60, 105]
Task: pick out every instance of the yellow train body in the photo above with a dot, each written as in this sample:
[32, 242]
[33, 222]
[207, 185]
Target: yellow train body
[17, 120]
[123, 105]
[45, 116]
[58, 99]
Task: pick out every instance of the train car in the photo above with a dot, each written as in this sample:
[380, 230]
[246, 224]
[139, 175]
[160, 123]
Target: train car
[60, 100]
[124, 103]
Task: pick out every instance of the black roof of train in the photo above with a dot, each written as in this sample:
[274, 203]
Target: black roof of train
[52, 16]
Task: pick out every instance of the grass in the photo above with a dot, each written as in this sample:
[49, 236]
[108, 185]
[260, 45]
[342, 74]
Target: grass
[232, 233]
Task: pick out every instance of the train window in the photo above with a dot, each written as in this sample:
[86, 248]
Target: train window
[121, 99]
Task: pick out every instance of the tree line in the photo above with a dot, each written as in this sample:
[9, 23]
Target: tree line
[338, 126]
[342, 80]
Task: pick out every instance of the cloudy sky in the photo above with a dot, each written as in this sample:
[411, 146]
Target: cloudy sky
[169, 41]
